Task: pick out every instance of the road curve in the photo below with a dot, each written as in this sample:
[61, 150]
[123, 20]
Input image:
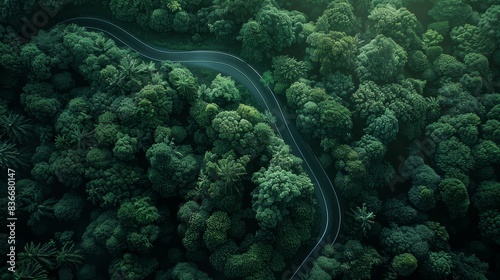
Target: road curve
[239, 70]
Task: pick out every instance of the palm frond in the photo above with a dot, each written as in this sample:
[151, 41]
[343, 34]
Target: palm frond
[43, 254]
[29, 269]
[61, 142]
[81, 138]
[69, 256]
[11, 157]
[363, 217]
[46, 209]
[201, 189]
[18, 128]
[269, 117]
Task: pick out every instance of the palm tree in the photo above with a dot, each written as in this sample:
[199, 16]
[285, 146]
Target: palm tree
[74, 29]
[184, 82]
[45, 209]
[230, 172]
[200, 191]
[187, 87]
[132, 74]
[174, 6]
[364, 218]
[157, 79]
[103, 43]
[203, 180]
[81, 138]
[69, 256]
[30, 270]
[37, 259]
[11, 157]
[145, 5]
[61, 142]
[43, 254]
[18, 128]
[269, 117]
[149, 68]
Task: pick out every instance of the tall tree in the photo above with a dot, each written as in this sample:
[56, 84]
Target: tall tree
[270, 32]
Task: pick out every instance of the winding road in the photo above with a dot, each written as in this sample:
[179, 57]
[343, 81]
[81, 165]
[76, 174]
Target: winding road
[239, 70]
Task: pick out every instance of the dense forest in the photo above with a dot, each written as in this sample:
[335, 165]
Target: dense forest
[128, 168]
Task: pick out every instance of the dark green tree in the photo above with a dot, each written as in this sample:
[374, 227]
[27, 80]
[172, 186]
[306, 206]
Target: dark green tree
[332, 50]
[381, 60]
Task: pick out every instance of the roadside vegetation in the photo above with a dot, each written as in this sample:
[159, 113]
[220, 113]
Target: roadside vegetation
[130, 169]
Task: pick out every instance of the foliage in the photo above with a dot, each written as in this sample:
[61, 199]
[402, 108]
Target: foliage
[431, 38]
[39, 101]
[69, 256]
[31, 270]
[177, 161]
[487, 195]
[253, 261]
[184, 270]
[318, 114]
[405, 239]
[446, 65]
[455, 11]
[160, 20]
[138, 212]
[68, 167]
[364, 218]
[370, 150]
[437, 266]
[381, 60]
[184, 82]
[125, 147]
[338, 16]
[181, 22]
[384, 127]
[422, 197]
[333, 50]
[453, 156]
[124, 9]
[454, 195]
[43, 254]
[270, 32]
[114, 183]
[83, 119]
[277, 187]
[371, 101]
[397, 211]
[324, 268]
[37, 260]
[132, 267]
[216, 233]
[10, 156]
[287, 70]
[404, 264]
[469, 39]
[16, 127]
[417, 61]
[223, 91]
[340, 85]
[468, 267]
[356, 260]
[489, 222]
[398, 24]
[69, 207]
[488, 23]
